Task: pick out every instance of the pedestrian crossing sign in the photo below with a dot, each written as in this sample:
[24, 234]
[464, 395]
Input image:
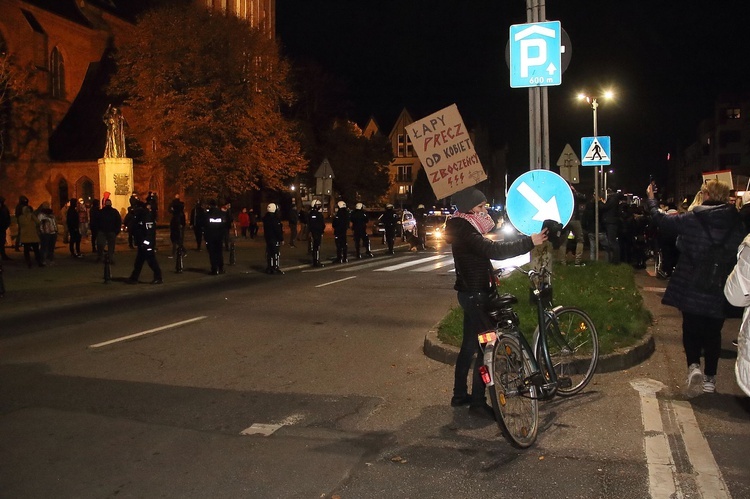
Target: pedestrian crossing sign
[595, 151]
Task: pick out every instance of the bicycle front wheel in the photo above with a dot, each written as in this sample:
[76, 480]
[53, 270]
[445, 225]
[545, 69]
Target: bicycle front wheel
[573, 348]
[514, 399]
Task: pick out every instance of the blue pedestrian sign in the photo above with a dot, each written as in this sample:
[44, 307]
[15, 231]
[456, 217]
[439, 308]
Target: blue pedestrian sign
[595, 151]
[535, 54]
[536, 196]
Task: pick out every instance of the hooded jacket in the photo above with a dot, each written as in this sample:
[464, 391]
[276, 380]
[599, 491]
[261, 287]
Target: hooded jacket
[693, 242]
[737, 291]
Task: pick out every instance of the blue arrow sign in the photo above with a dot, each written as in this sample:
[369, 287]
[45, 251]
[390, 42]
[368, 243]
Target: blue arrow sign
[535, 54]
[596, 151]
[536, 196]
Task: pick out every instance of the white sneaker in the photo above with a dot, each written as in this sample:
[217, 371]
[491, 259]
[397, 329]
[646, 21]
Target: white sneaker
[709, 384]
[694, 380]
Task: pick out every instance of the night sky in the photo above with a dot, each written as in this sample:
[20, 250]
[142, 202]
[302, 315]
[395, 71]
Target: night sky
[665, 64]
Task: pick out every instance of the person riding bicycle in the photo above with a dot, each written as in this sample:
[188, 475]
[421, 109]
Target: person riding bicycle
[472, 253]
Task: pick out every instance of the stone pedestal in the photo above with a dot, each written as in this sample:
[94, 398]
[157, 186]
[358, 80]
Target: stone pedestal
[116, 176]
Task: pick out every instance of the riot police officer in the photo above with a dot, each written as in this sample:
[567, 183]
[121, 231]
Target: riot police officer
[273, 232]
[390, 220]
[144, 235]
[359, 228]
[420, 215]
[340, 226]
[215, 224]
[316, 225]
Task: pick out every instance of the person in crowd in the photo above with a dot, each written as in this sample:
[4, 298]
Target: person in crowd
[47, 232]
[94, 224]
[28, 224]
[273, 232]
[110, 224]
[244, 220]
[610, 215]
[196, 223]
[134, 200]
[420, 215]
[316, 224]
[737, 292]
[703, 311]
[390, 220]
[4, 226]
[472, 252]
[359, 230]
[340, 227]
[229, 229]
[215, 224]
[304, 231]
[128, 223]
[574, 226]
[22, 202]
[63, 222]
[153, 200]
[144, 235]
[82, 209]
[177, 225]
[293, 220]
[667, 243]
[253, 223]
[73, 223]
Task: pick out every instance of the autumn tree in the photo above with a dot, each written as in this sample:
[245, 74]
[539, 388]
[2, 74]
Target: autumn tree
[202, 94]
[360, 164]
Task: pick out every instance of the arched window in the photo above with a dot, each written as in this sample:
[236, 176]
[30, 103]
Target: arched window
[62, 192]
[57, 74]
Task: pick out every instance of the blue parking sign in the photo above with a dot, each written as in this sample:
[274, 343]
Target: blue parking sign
[535, 54]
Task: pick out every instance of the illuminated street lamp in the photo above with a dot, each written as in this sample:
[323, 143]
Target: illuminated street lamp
[607, 95]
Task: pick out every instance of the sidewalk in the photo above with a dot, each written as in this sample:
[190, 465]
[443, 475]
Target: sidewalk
[74, 282]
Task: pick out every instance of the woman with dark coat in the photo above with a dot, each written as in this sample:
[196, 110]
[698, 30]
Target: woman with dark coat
[73, 222]
[703, 312]
[472, 253]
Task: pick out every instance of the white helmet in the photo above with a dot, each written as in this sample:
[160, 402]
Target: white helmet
[359, 206]
[389, 206]
[316, 203]
[420, 206]
[271, 208]
[341, 205]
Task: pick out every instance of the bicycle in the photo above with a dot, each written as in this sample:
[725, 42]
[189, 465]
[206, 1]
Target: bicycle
[561, 362]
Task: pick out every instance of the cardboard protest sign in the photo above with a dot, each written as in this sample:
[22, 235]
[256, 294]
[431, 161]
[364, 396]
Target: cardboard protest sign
[448, 156]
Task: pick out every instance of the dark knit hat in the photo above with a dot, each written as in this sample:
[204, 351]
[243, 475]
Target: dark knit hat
[467, 199]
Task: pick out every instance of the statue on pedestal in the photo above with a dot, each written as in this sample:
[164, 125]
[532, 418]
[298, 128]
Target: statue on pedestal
[115, 147]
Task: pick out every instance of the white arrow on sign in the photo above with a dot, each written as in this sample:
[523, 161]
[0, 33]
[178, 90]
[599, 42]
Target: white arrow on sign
[546, 209]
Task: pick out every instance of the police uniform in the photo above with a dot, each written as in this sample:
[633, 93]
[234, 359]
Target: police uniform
[316, 224]
[273, 232]
[390, 219]
[359, 229]
[340, 226]
[214, 227]
[144, 236]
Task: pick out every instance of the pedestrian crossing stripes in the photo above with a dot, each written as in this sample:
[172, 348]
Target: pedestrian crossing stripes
[405, 263]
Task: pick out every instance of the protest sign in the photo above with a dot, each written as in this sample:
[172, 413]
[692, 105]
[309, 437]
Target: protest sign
[447, 154]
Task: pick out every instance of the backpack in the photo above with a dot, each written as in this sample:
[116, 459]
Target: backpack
[715, 264]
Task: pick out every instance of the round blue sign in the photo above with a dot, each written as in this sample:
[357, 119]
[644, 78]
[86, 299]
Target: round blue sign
[536, 196]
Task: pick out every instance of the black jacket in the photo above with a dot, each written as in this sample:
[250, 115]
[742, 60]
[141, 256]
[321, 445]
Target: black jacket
[316, 223]
[693, 243]
[273, 232]
[472, 253]
[109, 220]
[341, 222]
[359, 221]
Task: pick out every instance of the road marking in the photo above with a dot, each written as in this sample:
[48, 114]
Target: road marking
[409, 264]
[653, 289]
[661, 468]
[448, 260]
[261, 429]
[660, 456]
[150, 331]
[334, 282]
[375, 263]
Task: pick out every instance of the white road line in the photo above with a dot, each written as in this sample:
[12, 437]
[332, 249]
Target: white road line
[434, 266]
[375, 263]
[661, 468]
[707, 474]
[334, 282]
[409, 264]
[143, 333]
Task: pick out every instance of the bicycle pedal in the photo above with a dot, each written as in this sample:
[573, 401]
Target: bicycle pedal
[564, 382]
[537, 379]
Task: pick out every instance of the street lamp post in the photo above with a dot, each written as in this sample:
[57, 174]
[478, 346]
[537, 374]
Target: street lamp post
[594, 106]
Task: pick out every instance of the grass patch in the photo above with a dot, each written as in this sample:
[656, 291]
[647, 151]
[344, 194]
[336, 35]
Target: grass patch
[607, 293]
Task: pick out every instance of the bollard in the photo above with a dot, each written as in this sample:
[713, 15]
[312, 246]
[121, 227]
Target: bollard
[179, 263]
[232, 255]
[2, 283]
[107, 269]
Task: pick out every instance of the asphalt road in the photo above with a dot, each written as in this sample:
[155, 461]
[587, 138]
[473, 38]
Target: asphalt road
[314, 384]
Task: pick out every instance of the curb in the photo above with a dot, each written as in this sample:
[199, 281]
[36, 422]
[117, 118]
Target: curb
[621, 359]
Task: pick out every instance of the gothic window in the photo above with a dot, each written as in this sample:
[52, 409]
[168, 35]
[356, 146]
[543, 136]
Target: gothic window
[57, 74]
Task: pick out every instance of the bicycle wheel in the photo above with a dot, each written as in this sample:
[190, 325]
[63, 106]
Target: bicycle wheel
[515, 404]
[573, 348]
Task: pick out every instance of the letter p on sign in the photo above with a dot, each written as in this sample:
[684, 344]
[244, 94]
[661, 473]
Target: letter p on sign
[527, 59]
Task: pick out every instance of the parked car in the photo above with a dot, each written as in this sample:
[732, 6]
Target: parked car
[435, 225]
[406, 222]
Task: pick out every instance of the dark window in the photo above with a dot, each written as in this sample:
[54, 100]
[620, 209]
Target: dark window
[729, 137]
[57, 74]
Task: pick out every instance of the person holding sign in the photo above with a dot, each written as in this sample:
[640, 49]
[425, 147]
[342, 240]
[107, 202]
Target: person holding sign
[472, 253]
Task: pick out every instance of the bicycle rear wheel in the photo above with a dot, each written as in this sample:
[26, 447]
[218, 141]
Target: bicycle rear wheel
[573, 347]
[515, 404]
